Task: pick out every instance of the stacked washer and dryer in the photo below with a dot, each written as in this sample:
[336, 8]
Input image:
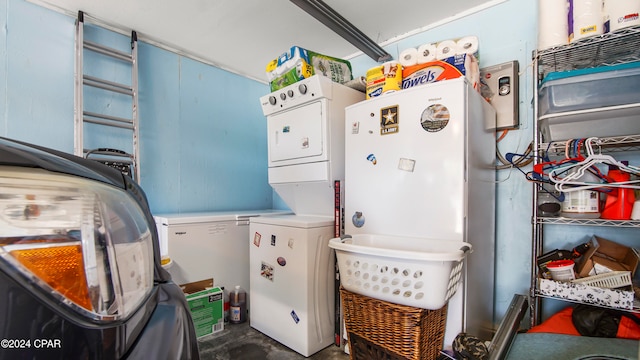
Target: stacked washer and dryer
[292, 268]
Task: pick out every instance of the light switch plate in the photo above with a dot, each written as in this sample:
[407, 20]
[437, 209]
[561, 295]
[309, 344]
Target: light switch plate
[499, 85]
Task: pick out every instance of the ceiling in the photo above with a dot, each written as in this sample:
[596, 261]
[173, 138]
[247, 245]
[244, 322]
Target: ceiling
[243, 36]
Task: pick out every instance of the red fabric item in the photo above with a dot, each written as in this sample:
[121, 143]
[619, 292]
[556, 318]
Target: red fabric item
[629, 329]
[561, 323]
[558, 323]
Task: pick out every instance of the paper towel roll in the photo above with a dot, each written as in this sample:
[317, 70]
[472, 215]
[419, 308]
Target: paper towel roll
[622, 13]
[408, 57]
[553, 23]
[426, 53]
[358, 83]
[468, 45]
[445, 49]
[587, 17]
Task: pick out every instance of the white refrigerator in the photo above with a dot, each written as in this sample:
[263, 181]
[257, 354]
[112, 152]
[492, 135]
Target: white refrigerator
[292, 280]
[420, 163]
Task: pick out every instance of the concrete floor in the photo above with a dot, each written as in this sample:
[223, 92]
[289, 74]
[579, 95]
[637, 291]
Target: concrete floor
[242, 342]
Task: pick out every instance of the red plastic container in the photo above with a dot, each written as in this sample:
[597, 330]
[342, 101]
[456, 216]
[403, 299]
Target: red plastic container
[619, 202]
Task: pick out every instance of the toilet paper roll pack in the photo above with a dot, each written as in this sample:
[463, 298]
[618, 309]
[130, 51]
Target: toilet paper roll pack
[553, 23]
[446, 48]
[621, 13]
[286, 61]
[426, 53]
[439, 51]
[586, 18]
[408, 57]
[468, 45]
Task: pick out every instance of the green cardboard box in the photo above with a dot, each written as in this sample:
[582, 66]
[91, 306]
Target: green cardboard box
[206, 304]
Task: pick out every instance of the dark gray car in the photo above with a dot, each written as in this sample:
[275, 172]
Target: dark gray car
[80, 273]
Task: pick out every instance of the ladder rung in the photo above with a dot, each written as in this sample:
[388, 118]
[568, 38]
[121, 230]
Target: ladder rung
[108, 120]
[107, 85]
[104, 50]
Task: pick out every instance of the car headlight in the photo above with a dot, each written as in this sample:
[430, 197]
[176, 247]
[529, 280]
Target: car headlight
[82, 242]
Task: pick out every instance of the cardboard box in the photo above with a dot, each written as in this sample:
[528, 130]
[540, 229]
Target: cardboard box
[614, 298]
[206, 304]
[605, 255]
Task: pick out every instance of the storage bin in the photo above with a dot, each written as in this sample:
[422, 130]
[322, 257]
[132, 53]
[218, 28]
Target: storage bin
[610, 280]
[575, 291]
[589, 88]
[417, 272]
[379, 329]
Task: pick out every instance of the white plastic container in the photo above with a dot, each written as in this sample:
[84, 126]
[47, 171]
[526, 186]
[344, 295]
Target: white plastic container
[562, 270]
[582, 204]
[416, 272]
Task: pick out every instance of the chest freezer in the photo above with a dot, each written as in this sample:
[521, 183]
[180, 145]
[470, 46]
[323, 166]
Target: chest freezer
[207, 245]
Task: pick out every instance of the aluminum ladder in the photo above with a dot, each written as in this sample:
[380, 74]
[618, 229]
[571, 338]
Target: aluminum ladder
[127, 163]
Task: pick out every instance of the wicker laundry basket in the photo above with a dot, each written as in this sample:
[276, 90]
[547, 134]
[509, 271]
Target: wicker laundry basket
[382, 330]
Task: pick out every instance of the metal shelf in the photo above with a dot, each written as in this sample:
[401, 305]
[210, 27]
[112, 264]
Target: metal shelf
[618, 47]
[608, 144]
[636, 304]
[622, 46]
[587, 222]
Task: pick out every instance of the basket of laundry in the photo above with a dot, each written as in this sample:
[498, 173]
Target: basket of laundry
[378, 329]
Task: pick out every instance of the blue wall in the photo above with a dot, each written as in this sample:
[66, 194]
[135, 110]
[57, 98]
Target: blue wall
[203, 143]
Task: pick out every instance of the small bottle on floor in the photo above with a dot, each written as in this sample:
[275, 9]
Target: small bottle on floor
[238, 305]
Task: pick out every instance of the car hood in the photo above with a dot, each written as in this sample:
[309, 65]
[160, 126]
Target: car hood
[16, 153]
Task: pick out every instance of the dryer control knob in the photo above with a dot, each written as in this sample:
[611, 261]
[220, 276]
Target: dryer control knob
[290, 93]
[272, 100]
[283, 96]
[302, 88]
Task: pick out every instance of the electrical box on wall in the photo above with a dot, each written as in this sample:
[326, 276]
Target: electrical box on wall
[499, 85]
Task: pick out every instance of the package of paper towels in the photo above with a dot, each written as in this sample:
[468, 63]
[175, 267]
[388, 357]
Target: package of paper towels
[299, 63]
[450, 68]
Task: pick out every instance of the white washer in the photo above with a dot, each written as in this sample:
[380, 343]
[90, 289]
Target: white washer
[292, 268]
